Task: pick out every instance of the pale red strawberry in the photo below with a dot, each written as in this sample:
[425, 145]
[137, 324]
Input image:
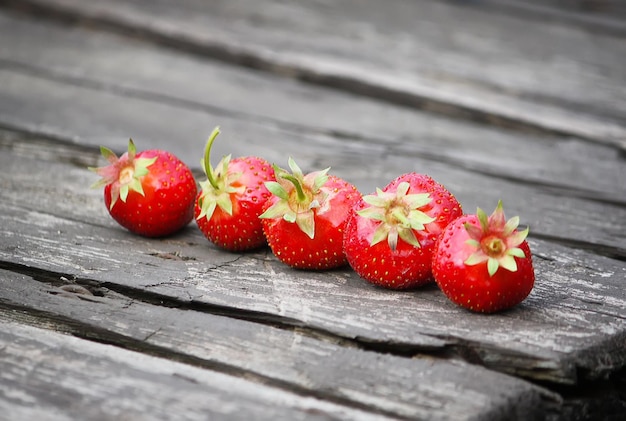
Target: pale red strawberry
[306, 216]
[391, 235]
[483, 263]
[150, 193]
[231, 199]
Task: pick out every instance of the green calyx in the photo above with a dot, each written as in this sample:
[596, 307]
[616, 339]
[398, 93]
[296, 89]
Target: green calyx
[220, 183]
[124, 174]
[496, 241]
[399, 215]
[299, 196]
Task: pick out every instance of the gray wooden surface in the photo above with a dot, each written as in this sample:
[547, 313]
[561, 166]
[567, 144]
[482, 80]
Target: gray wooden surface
[495, 104]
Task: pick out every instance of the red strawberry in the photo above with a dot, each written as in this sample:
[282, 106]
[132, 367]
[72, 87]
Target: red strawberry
[391, 235]
[150, 193]
[483, 263]
[231, 200]
[306, 216]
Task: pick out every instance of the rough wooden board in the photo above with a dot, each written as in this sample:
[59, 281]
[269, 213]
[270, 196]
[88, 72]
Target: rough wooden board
[51, 376]
[98, 117]
[96, 61]
[597, 16]
[574, 319]
[414, 388]
[453, 60]
[103, 118]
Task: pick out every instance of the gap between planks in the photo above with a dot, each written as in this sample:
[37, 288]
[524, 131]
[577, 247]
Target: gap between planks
[568, 398]
[96, 330]
[43, 320]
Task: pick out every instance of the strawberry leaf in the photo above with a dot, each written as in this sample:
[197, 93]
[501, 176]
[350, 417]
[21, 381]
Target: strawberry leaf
[408, 236]
[511, 225]
[492, 266]
[497, 220]
[517, 238]
[516, 251]
[381, 233]
[306, 222]
[207, 208]
[483, 219]
[476, 258]
[372, 213]
[276, 189]
[279, 209]
[295, 169]
[508, 263]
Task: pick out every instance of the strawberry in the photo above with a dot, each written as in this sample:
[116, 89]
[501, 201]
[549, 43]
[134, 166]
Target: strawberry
[483, 263]
[150, 193]
[231, 199]
[391, 235]
[305, 218]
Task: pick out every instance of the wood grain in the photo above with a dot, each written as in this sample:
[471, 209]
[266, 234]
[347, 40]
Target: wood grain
[437, 56]
[51, 376]
[286, 360]
[98, 323]
[596, 16]
[97, 116]
[67, 66]
[575, 318]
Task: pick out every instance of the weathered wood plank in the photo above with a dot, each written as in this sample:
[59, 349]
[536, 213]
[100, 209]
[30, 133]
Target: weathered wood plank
[437, 56]
[287, 360]
[94, 60]
[598, 16]
[99, 117]
[51, 376]
[573, 324]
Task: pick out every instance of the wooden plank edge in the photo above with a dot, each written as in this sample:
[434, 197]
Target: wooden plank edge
[349, 79]
[65, 380]
[70, 323]
[13, 313]
[550, 372]
[600, 398]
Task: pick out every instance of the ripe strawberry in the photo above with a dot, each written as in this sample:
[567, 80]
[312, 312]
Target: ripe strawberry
[483, 263]
[306, 216]
[390, 236]
[150, 193]
[231, 200]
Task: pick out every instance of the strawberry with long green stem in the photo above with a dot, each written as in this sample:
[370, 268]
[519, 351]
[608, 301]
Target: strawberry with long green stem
[232, 198]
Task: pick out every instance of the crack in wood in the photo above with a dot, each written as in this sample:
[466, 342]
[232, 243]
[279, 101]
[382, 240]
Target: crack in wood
[576, 395]
[46, 320]
[536, 370]
[176, 255]
[598, 249]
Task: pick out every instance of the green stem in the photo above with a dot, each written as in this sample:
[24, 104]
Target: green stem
[208, 168]
[301, 195]
[400, 216]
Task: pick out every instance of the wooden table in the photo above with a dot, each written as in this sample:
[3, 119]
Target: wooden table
[511, 100]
